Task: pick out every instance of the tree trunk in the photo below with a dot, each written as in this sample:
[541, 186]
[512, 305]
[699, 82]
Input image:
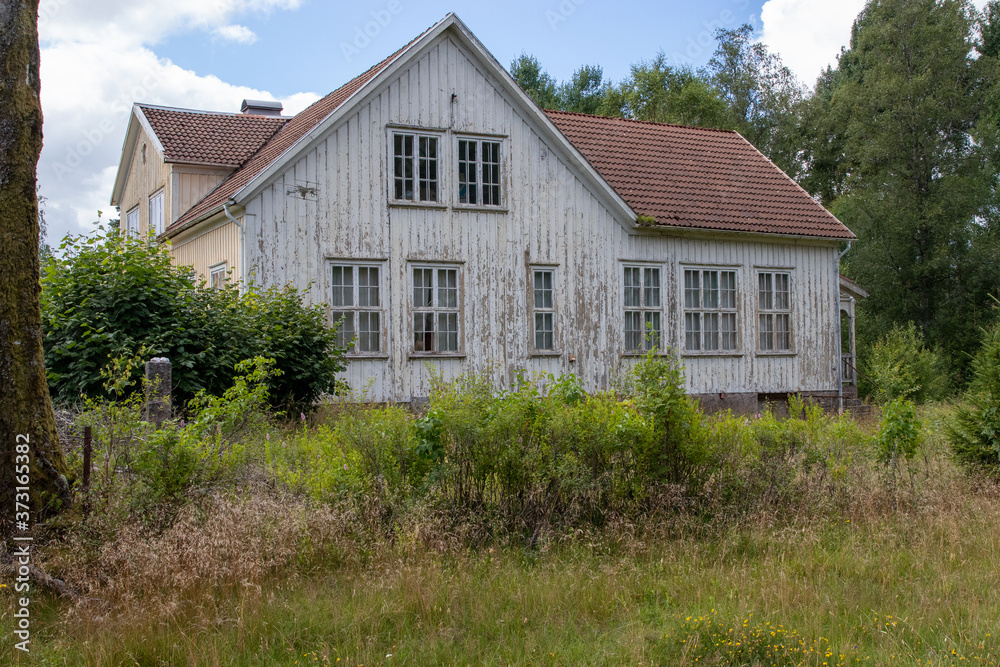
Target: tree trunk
[25, 405]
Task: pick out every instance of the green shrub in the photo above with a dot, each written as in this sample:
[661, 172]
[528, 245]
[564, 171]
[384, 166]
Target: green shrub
[899, 365]
[899, 433]
[975, 432]
[109, 296]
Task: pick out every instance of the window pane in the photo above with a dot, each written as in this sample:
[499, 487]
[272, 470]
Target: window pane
[491, 173]
[423, 289]
[711, 335]
[651, 278]
[428, 168]
[448, 332]
[782, 332]
[711, 289]
[544, 331]
[543, 289]
[727, 326]
[728, 289]
[345, 321]
[765, 297]
[766, 323]
[781, 292]
[692, 331]
[343, 286]
[368, 332]
[633, 330]
[692, 292]
[467, 187]
[633, 287]
[447, 288]
[368, 287]
[423, 332]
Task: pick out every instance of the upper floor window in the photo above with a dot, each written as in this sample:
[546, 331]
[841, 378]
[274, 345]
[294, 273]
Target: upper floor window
[774, 308]
[436, 309]
[356, 305]
[544, 309]
[642, 308]
[415, 167]
[710, 322]
[479, 172]
[132, 222]
[156, 213]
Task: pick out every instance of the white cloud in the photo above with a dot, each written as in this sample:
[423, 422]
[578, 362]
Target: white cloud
[808, 34]
[96, 61]
[236, 33]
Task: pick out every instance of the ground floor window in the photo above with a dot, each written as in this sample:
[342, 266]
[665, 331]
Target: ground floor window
[356, 307]
[436, 309]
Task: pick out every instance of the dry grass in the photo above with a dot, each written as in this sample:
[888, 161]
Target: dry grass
[859, 565]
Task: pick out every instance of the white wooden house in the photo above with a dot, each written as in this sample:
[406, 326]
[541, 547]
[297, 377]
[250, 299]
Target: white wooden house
[453, 226]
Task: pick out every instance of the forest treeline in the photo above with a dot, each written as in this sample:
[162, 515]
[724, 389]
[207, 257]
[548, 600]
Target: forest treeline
[899, 141]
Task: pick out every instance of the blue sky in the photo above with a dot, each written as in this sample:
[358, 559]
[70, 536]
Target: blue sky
[100, 56]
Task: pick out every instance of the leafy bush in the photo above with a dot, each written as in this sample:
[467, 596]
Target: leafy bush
[109, 296]
[975, 432]
[899, 365]
[899, 434]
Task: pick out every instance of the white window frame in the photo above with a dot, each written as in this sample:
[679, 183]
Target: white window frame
[478, 167]
[220, 269]
[359, 314]
[415, 162]
[132, 222]
[642, 306]
[451, 310]
[539, 309]
[772, 310]
[704, 320]
[157, 221]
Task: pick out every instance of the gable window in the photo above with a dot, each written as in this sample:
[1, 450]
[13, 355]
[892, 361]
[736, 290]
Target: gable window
[774, 308]
[642, 308]
[217, 276]
[479, 172]
[710, 323]
[132, 222]
[156, 213]
[544, 309]
[356, 306]
[436, 310]
[415, 167]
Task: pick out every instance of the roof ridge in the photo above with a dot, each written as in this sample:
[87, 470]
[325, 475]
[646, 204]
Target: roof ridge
[639, 121]
[207, 112]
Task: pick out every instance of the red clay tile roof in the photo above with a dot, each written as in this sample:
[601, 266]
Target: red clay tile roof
[695, 177]
[206, 137]
[292, 131]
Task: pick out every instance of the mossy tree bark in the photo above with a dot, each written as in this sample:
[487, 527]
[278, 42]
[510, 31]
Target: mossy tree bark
[25, 405]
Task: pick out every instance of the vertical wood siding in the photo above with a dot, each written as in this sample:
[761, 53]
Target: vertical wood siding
[202, 250]
[146, 177]
[552, 217]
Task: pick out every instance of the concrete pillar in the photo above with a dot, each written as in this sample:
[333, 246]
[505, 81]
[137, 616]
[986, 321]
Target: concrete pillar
[158, 383]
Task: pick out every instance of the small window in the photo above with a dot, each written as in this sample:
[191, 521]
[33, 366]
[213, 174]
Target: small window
[156, 213]
[710, 323]
[356, 307]
[544, 309]
[643, 309]
[774, 312]
[479, 172]
[217, 276]
[132, 222]
[436, 310]
[415, 167]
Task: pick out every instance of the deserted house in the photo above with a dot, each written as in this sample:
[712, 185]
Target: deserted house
[451, 225]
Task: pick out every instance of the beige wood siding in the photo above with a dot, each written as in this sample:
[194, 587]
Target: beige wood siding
[202, 249]
[551, 217]
[190, 184]
[147, 175]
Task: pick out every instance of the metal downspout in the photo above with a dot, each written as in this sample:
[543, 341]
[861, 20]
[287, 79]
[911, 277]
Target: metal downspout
[243, 243]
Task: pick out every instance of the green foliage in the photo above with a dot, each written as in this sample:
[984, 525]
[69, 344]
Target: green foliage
[537, 83]
[109, 296]
[899, 365]
[584, 92]
[899, 433]
[975, 432]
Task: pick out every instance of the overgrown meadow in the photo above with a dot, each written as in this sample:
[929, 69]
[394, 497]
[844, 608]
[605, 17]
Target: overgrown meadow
[532, 525]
